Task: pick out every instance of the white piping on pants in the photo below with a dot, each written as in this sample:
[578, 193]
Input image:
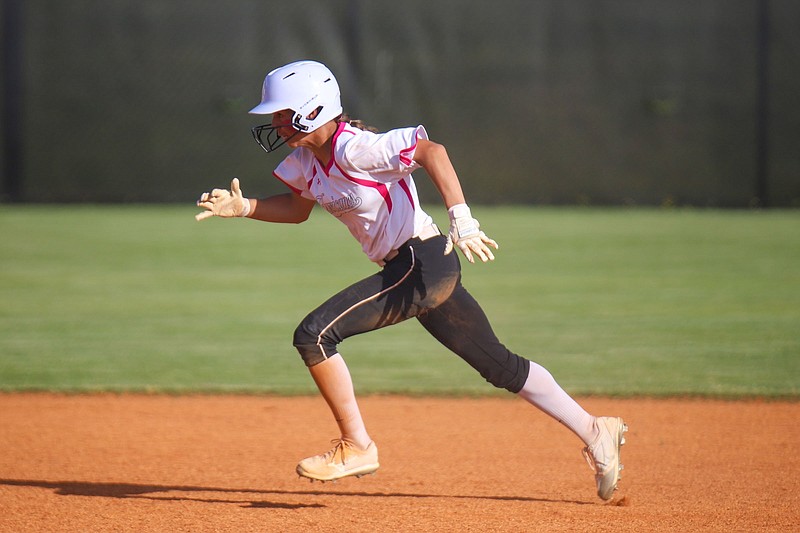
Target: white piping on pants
[365, 300]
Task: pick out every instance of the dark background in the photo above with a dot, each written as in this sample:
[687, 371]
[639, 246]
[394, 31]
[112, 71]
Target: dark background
[641, 102]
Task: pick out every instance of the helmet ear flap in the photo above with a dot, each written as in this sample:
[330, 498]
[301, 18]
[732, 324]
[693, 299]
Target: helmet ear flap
[301, 123]
[297, 122]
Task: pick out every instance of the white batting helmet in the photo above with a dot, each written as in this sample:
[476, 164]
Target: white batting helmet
[302, 86]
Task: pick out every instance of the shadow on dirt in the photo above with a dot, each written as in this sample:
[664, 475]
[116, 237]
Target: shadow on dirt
[151, 492]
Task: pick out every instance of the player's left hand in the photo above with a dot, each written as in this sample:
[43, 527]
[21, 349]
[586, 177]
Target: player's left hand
[224, 203]
[466, 234]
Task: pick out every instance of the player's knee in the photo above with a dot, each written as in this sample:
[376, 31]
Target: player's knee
[510, 376]
[311, 344]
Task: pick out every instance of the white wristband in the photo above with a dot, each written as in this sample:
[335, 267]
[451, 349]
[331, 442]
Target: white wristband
[245, 207]
[459, 211]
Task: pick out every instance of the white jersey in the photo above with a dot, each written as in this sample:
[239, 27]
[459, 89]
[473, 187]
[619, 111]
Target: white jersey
[367, 184]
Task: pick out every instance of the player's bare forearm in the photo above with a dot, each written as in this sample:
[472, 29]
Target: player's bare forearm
[289, 208]
[434, 159]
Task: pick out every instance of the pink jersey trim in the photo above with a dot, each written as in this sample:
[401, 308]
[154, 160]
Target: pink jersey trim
[404, 185]
[311, 179]
[339, 131]
[405, 158]
[294, 189]
[380, 187]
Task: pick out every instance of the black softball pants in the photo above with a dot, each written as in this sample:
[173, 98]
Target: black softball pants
[419, 282]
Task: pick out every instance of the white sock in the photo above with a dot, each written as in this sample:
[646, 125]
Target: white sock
[335, 384]
[542, 391]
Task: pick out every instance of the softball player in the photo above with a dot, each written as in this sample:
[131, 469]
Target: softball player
[363, 178]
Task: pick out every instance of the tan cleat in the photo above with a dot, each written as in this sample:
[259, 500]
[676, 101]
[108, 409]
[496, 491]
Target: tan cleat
[603, 454]
[344, 460]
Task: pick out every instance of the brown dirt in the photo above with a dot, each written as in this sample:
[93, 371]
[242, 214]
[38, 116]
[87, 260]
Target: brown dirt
[204, 463]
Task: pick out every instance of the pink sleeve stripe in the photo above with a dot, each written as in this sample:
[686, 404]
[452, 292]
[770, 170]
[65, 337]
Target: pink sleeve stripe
[405, 156]
[294, 189]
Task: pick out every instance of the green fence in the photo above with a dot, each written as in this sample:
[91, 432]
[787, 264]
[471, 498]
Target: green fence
[546, 102]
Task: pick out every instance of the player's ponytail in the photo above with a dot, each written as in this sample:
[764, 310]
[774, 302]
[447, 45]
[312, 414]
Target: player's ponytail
[357, 123]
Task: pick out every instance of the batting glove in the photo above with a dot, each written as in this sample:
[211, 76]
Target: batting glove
[223, 203]
[466, 234]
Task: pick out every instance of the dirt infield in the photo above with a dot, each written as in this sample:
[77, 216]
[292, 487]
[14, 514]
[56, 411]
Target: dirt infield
[204, 463]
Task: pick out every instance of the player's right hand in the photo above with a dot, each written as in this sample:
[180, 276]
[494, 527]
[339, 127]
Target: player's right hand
[223, 203]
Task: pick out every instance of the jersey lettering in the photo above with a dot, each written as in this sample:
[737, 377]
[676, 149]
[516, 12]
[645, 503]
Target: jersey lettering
[340, 206]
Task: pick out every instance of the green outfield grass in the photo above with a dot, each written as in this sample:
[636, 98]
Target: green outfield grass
[612, 301]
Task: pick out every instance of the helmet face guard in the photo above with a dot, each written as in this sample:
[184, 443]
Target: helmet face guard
[267, 137]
